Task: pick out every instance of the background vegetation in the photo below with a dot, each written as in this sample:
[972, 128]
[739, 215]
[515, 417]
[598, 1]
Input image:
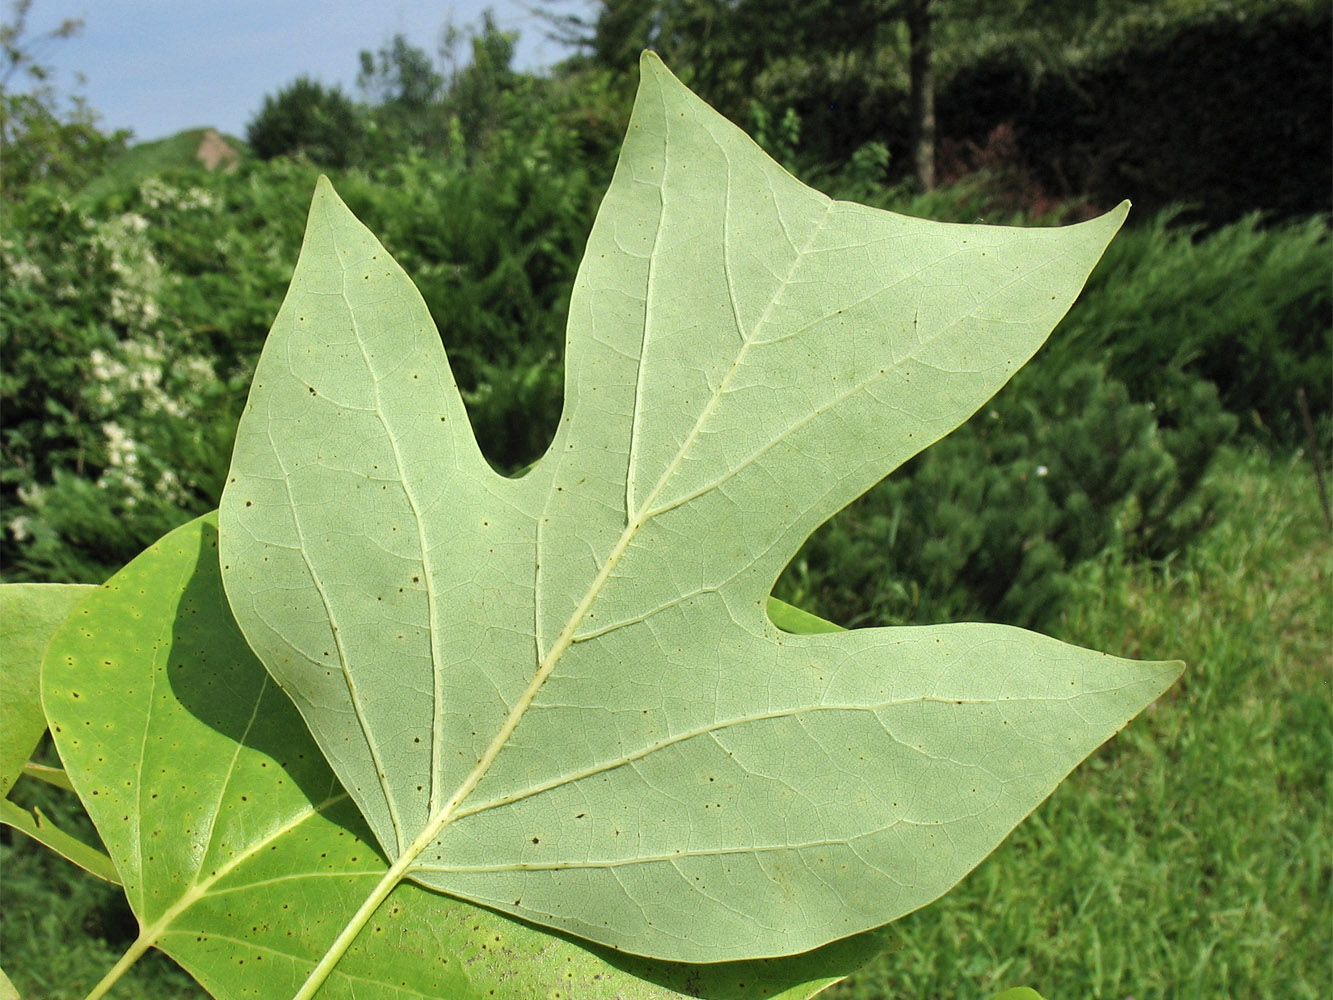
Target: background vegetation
[1147, 485]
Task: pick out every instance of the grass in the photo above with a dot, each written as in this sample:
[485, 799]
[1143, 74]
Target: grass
[1190, 857]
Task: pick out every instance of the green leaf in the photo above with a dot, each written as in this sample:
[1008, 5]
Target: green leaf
[1019, 993]
[40, 828]
[240, 853]
[791, 619]
[29, 615]
[54, 776]
[561, 696]
[7, 991]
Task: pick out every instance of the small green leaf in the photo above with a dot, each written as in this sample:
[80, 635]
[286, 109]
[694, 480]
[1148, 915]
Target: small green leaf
[71, 848]
[53, 776]
[796, 621]
[561, 696]
[29, 615]
[1019, 993]
[240, 853]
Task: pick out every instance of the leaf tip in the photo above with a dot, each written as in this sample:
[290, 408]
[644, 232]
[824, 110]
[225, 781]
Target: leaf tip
[653, 70]
[324, 192]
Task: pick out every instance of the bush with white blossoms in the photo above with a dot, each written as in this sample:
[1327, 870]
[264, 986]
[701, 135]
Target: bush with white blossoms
[116, 417]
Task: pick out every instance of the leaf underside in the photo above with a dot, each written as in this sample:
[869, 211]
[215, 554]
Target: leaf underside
[560, 696]
[242, 856]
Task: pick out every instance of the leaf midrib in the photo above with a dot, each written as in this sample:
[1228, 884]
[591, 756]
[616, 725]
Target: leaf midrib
[450, 812]
[198, 890]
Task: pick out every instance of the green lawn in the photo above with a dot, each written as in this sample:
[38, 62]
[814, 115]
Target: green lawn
[1188, 859]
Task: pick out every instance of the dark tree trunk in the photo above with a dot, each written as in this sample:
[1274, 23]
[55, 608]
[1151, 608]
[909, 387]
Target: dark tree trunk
[922, 92]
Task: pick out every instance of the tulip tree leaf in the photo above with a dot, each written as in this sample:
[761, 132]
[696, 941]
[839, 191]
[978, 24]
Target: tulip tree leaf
[29, 615]
[239, 851]
[560, 696]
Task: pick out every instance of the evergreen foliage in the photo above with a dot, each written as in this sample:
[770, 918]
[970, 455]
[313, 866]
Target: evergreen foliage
[1167, 307]
[993, 521]
[306, 118]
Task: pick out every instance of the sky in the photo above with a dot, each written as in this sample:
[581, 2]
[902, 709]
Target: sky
[159, 66]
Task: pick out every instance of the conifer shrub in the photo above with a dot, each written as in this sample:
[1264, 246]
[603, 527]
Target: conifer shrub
[990, 522]
[1247, 308]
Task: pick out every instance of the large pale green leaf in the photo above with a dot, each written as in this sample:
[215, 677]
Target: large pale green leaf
[239, 851]
[560, 696]
[29, 615]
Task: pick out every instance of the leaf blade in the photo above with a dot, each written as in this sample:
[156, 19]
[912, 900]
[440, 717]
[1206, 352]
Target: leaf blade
[29, 615]
[249, 906]
[745, 357]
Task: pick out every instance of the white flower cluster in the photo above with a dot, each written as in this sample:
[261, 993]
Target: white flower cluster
[120, 447]
[123, 458]
[137, 368]
[22, 270]
[157, 193]
[21, 526]
[27, 272]
[141, 375]
[138, 272]
[140, 378]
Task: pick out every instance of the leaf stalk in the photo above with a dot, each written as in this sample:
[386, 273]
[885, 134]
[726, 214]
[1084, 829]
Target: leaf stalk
[135, 951]
[325, 966]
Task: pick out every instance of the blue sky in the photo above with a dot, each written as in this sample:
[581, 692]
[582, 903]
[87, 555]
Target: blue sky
[159, 66]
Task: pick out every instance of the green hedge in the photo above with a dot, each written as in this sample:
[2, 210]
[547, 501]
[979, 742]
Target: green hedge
[1228, 114]
[1227, 111]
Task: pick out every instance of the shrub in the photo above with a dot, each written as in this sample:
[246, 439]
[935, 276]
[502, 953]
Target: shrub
[117, 419]
[1246, 308]
[155, 300]
[991, 522]
[307, 118]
